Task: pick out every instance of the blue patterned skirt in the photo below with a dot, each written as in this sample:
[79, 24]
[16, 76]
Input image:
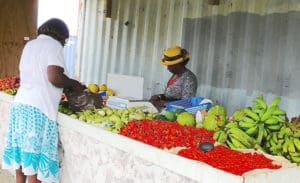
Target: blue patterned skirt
[32, 142]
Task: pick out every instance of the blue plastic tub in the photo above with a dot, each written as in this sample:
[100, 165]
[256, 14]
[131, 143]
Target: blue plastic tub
[191, 105]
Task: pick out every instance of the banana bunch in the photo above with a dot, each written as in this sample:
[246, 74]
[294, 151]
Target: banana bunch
[262, 119]
[234, 137]
[285, 142]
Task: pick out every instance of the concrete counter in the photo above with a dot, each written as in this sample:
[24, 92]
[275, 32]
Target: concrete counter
[91, 154]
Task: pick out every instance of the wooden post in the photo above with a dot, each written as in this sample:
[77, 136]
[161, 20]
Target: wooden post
[107, 8]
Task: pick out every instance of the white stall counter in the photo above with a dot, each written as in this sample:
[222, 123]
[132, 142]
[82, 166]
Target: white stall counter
[93, 155]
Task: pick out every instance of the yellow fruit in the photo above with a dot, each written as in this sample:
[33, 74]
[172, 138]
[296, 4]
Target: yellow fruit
[102, 87]
[93, 88]
[110, 92]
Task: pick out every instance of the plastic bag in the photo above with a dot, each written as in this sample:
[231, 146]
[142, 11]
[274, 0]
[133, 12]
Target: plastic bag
[85, 100]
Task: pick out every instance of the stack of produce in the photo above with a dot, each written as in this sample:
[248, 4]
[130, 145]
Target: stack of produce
[113, 119]
[285, 142]
[10, 85]
[264, 127]
[101, 89]
[168, 135]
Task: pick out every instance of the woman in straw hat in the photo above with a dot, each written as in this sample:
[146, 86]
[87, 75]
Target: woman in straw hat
[183, 82]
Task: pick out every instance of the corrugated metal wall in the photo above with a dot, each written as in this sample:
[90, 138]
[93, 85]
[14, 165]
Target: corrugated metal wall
[238, 49]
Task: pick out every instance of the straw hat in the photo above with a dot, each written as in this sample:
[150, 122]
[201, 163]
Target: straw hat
[174, 55]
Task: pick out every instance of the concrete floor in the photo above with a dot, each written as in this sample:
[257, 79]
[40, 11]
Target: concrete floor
[6, 176]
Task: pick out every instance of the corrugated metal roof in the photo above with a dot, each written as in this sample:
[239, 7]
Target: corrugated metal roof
[238, 49]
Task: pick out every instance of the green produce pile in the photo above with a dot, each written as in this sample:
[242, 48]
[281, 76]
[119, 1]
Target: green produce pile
[114, 119]
[264, 127]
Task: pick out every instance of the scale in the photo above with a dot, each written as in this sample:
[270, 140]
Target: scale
[122, 103]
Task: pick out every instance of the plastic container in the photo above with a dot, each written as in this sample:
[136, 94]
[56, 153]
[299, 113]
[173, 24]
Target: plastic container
[191, 105]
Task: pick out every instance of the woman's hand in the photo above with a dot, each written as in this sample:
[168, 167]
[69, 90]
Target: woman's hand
[159, 103]
[156, 97]
[158, 100]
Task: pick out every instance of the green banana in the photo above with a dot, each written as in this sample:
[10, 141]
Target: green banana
[271, 121]
[288, 131]
[248, 120]
[259, 101]
[237, 143]
[216, 135]
[274, 127]
[281, 133]
[291, 146]
[280, 141]
[230, 145]
[259, 111]
[297, 143]
[242, 135]
[260, 133]
[295, 154]
[246, 125]
[273, 143]
[297, 134]
[266, 132]
[274, 137]
[252, 131]
[267, 114]
[275, 102]
[295, 159]
[251, 114]
[242, 140]
[268, 144]
[285, 146]
[231, 125]
[279, 119]
[279, 112]
[222, 137]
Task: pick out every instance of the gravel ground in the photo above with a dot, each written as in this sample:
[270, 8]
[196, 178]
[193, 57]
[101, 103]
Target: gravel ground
[6, 176]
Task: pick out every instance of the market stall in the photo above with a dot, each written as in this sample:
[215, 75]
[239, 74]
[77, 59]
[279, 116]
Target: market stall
[92, 154]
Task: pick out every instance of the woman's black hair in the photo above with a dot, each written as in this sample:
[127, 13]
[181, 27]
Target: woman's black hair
[185, 62]
[55, 28]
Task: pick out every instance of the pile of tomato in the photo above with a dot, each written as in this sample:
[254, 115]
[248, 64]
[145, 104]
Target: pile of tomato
[10, 85]
[166, 134]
